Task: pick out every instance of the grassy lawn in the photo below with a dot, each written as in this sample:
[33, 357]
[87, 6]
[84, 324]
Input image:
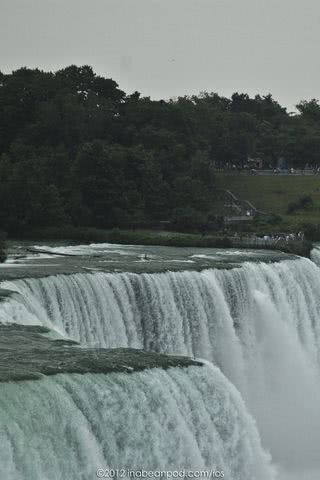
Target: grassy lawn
[273, 194]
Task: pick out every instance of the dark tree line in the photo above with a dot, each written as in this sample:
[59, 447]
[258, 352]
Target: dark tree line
[75, 149]
[3, 255]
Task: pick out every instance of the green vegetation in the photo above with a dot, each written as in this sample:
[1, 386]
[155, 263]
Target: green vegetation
[79, 157]
[274, 194]
[131, 237]
[75, 150]
[161, 238]
[3, 254]
[303, 203]
[312, 231]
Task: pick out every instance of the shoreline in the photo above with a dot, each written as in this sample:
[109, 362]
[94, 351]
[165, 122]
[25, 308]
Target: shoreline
[162, 238]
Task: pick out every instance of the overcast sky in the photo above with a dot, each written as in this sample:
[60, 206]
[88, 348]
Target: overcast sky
[165, 48]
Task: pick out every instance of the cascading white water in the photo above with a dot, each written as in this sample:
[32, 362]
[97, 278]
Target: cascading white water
[258, 323]
[68, 426]
[202, 314]
[315, 255]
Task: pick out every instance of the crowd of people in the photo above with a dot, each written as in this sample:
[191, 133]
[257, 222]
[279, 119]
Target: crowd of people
[270, 170]
[261, 239]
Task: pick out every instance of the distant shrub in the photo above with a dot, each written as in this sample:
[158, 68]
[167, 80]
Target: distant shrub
[312, 231]
[224, 242]
[215, 222]
[114, 235]
[274, 219]
[187, 219]
[303, 203]
[292, 208]
[306, 202]
[3, 255]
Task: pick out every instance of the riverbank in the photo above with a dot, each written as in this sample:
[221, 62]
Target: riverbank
[295, 247]
[165, 239]
[130, 237]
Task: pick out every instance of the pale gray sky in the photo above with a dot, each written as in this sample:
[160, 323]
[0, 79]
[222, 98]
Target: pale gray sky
[165, 48]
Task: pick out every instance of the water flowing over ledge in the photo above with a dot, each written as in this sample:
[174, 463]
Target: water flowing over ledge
[68, 426]
[128, 410]
[315, 255]
[204, 314]
[260, 324]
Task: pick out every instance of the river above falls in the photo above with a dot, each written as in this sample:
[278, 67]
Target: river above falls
[37, 259]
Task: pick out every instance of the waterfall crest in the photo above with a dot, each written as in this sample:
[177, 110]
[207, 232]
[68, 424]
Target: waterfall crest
[200, 314]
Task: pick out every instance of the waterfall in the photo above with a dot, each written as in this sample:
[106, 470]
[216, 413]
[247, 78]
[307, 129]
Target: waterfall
[210, 314]
[258, 323]
[68, 426]
[315, 255]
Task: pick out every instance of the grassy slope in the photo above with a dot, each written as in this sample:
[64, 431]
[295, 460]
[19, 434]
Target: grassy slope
[273, 194]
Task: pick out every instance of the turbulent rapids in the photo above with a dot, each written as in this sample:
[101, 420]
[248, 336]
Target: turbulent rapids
[259, 324]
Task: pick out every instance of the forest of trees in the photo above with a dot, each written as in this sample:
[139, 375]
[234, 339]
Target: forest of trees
[77, 150]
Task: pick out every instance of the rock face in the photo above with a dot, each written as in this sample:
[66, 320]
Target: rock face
[26, 353]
